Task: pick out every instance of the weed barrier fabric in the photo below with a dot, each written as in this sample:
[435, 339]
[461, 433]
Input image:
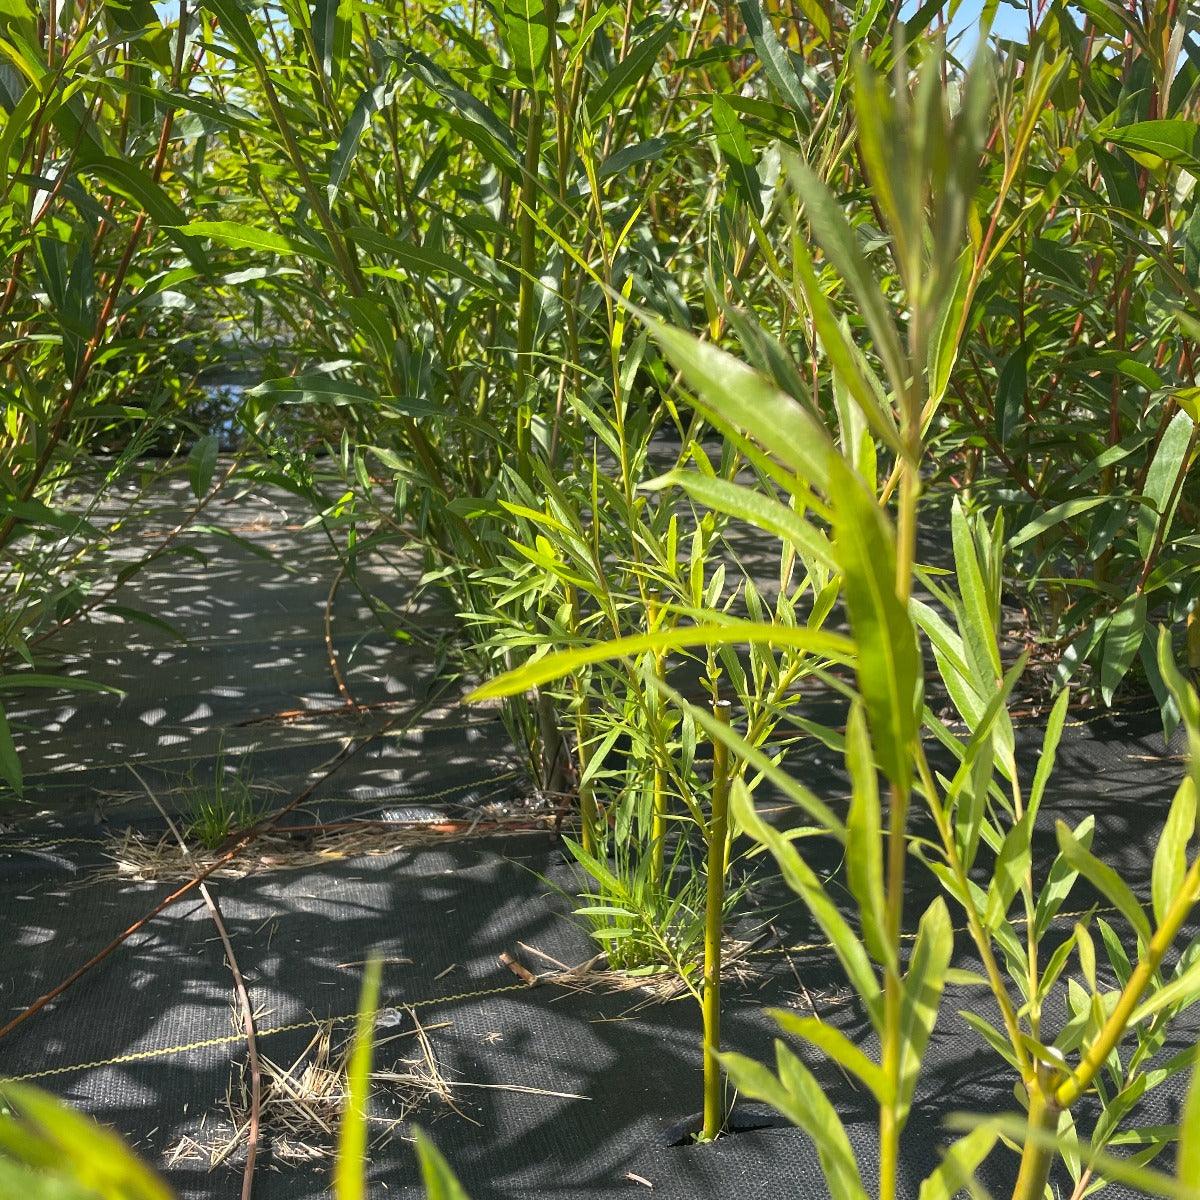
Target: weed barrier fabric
[555, 1092]
[608, 1076]
[236, 674]
[440, 917]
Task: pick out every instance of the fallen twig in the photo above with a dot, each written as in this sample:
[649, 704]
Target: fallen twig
[226, 856]
[519, 970]
[239, 984]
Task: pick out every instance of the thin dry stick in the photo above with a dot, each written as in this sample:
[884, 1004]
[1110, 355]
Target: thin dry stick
[239, 984]
[335, 668]
[242, 841]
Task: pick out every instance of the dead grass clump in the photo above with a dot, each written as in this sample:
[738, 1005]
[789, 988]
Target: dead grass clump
[303, 1102]
[654, 987]
[134, 856]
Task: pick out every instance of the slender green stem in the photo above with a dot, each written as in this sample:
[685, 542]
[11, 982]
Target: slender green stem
[1114, 1028]
[583, 751]
[979, 935]
[893, 1033]
[889, 1112]
[658, 827]
[658, 799]
[718, 829]
[1038, 1154]
[527, 240]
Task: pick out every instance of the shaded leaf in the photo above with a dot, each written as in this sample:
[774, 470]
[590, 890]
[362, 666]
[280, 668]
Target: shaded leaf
[889, 661]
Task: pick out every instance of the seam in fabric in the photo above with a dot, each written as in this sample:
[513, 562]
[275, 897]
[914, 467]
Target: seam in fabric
[231, 1038]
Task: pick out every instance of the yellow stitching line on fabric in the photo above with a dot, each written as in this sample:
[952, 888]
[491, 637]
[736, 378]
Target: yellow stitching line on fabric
[458, 998]
[1101, 715]
[231, 1038]
[424, 797]
[1092, 718]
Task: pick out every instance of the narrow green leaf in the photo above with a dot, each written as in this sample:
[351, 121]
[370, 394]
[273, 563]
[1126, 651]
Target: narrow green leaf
[1170, 856]
[57, 1135]
[10, 763]
[848, 364]
[837, 1046]
[990, 1034]
[1181, 990]
[1173, 141]
[1060, 881]
[801, 878]
[773, 56]
[754, 506]
[864, 838]
[128, 179]
[16, 124]
[739, 158]
[331, 36]
[631, 155]
[1104, 879]
[1121, 643]
[638, 63]
[313, 387]
[979, 628]
[804, 799]
[350, 1169]
[1010, 394]
[19, 680]
[528, 26]
[439, 1180]
[1187, 1159]
[736, 393]
[889, 660]
[958, 1168]
[246, 237]
[1186, 700]
[841, 245]
[798, 1096]
[1165, 468]
[1050, 740]
[467, 114]
[1012, 865]
[365, 107]
[922, 995]
[563, 662]
[202, 464]
[1053, 516]
[422, 261]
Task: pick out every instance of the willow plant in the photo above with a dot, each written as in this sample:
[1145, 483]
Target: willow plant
[1075, 405]
[96, 362]
[923, 190]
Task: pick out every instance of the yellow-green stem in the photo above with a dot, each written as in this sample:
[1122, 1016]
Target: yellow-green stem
[587, 800]
[658, 828]
[1037, 1156]
[526, 234]
[718, 826]
[1114, 1028]
[658, 820]
[889, 1112]
[893, 1033]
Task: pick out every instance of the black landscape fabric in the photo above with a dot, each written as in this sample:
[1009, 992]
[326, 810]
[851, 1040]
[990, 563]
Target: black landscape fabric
[551, 1090]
